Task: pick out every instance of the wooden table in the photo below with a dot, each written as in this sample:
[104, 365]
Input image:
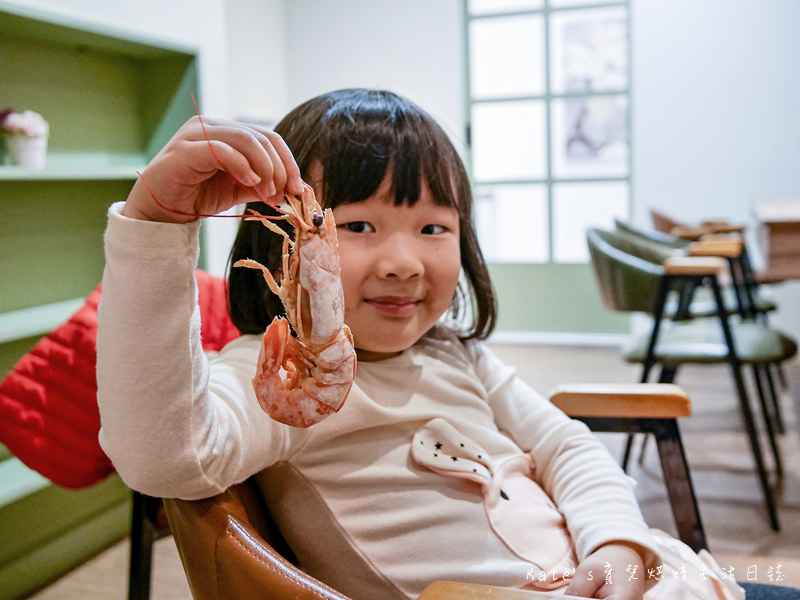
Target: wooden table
[779, 236]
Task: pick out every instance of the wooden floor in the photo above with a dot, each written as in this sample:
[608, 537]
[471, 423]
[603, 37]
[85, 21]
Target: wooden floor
[722, 469]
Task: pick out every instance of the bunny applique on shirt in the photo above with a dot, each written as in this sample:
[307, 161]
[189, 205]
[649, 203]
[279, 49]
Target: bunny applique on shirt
[519, 511]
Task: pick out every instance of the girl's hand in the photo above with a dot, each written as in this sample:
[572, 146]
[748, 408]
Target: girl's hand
[613, 571]
[186, 176]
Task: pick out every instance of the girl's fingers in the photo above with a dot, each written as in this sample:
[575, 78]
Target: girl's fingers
[275, 168]
[293, 180]
[583, 589]
[265, 151]
[252, 165]
[585, 581]
[224, 158]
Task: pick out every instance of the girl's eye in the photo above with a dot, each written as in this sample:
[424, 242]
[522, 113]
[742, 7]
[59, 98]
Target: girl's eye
[358, 227]
[434, 229]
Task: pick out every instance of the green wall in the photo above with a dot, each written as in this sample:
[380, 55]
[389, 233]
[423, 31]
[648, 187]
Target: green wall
[552, 298]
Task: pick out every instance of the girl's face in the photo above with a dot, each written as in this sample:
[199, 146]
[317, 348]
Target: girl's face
[400, 269]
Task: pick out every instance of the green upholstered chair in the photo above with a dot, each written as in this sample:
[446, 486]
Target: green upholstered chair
[630, 279]
[742, 297]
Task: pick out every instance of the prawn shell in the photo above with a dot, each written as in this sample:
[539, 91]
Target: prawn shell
[320, 276]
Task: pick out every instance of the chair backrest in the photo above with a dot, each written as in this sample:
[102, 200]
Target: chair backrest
[627, 282]
[652, 235]
[230, 550]
[663, 223]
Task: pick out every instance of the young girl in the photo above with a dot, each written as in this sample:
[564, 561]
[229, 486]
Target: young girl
[441, 465]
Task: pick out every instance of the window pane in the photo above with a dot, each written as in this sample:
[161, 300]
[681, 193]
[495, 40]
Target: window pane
[512, 222]
[590, 137]
[507, 56]
[578, 206]
[483, 7]
[508, 140]
[589, 50]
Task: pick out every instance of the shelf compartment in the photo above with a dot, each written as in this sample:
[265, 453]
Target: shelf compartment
[51, 239]
[100, 92]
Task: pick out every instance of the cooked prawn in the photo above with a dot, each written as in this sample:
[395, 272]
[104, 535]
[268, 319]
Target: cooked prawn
[319, 364]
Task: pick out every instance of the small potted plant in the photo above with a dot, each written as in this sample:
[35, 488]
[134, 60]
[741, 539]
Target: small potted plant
[26, 137]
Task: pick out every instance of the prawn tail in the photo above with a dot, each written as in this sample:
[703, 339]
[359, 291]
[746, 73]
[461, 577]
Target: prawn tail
[268, 384]
[298, 386]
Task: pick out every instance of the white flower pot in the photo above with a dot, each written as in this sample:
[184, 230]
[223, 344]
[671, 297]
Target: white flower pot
[27, 151]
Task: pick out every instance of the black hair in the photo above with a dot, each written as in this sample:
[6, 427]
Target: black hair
[356, 136]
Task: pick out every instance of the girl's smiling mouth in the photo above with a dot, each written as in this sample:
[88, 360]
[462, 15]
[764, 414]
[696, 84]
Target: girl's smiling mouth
[399, 306]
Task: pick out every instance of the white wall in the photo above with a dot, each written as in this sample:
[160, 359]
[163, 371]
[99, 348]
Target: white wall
[413, 47]
[256, 31]
[716, 90]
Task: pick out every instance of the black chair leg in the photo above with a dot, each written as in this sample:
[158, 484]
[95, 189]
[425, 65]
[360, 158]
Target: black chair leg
[782, 376]
[143, 535]
[752, 434]
[643, 449]
[776, 403]
[769, 420]
[746, 410]
[667, 376]
[626, 457]
[676, 471]
[647, 366]
[679, 484]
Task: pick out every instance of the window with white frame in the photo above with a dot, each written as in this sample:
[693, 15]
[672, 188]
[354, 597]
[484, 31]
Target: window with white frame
[549, 98]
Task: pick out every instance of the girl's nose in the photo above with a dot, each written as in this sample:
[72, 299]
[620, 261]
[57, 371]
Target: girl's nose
[400, 258]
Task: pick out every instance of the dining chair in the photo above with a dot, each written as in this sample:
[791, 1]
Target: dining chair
[742, 297]
[629, 283]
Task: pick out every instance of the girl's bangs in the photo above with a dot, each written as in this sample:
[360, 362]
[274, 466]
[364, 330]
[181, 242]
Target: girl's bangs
[363, 148]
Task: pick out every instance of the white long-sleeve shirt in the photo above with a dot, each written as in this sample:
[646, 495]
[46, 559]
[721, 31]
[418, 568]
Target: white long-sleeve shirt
[177, 425]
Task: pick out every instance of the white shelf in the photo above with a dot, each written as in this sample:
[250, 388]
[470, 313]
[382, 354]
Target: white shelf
[39, 320]
[68, 173]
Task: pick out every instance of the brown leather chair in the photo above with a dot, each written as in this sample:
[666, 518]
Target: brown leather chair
[228, 547]
[231, 549]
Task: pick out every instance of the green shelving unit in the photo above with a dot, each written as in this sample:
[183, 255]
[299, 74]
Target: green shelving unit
[112, 100]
